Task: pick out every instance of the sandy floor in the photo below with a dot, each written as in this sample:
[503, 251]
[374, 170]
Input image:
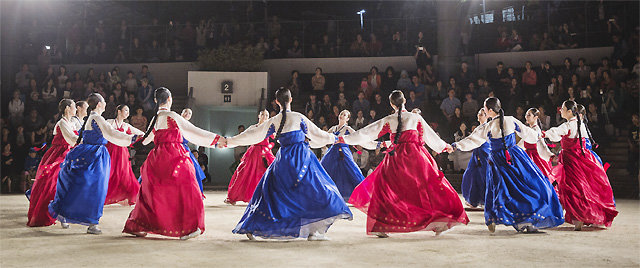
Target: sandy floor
[470, 245]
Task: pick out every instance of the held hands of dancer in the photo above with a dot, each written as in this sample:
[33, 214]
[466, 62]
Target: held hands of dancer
[222, 143]
[449, 148]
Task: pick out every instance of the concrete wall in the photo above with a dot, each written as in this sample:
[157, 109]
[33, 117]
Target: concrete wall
[556, 57]
[247, 87]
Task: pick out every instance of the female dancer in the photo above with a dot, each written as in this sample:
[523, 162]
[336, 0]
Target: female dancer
[406, 192]
[338, 161]
[44, 188]
[517, 194]
[123, 184]
[169, 202]
[186, 114]
[589, 142]
[583, 185]
[538, 152]
[84, 175]
[253, 164]
[295, 197]
[474, 177]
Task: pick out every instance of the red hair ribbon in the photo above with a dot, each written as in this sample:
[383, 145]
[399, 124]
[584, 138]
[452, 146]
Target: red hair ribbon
[508, 156]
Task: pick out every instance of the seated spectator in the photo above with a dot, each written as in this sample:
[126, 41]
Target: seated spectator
[144, 73]
[154, 52]
[547, 43]
[23, 77]
[566, 39]
[534, 42]
[313, 105]
[620, 73]
[145, 96]
[483, 89]
[359, 47]
[312, 116]
[359, 121]
[325, 108]
[450, 104]
[294, 83]
[326, 49]
[465, 75]
[372, 117]
[374, 81]
[131, 84]
[503, 43]
[604, 66]
[318, 80]
[515, 41]
[417, 88]
[138, 120]
[412, 102]
[460, 158]
[361, 104]
[439, 93]
[342, 102]
[375, 46]
[381, 107]
[404, 82]
[322, 122]
[295, 51]
[9, 168]
[545, 120]
[582, 70]
[16, 109]
[31, 163]
[389, 81]
[453, 85]
[332, 118]
[470, 107]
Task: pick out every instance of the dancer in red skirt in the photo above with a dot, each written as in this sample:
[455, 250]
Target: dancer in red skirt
[44, 187]
[253, 164]
[123, 184]
[538, 152]
[170, 202]
[407, 192]
[583, 186]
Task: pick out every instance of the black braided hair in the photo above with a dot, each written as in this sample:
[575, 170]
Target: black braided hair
[161, 95]
[283, 96]
[583, 113]
[62, 106]
[573, 107]
[493, 103]
[397, 99]
[92, 100]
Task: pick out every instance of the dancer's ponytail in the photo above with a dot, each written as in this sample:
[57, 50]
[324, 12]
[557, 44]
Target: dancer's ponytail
[283, 96]
[573, 107]
[161, 95]
[585, 120]
[93, 101]
[397, 99]
[62, 106]
[493, 103]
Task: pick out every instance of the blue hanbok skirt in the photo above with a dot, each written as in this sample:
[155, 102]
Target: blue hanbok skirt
[295, 197]
[344, 172]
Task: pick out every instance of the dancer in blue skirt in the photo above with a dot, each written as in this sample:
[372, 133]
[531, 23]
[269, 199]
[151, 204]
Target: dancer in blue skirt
[474, 177]
[517, 194]
[295, 197]
[186, 114]
[84, 174]
[338, 161]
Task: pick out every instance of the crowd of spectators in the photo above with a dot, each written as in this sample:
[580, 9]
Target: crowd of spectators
[608, 89]
[32, 111]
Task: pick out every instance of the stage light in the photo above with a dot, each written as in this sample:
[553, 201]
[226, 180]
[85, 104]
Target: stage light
[361, 13]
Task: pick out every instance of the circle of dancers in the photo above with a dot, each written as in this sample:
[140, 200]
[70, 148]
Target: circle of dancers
[294, 195]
